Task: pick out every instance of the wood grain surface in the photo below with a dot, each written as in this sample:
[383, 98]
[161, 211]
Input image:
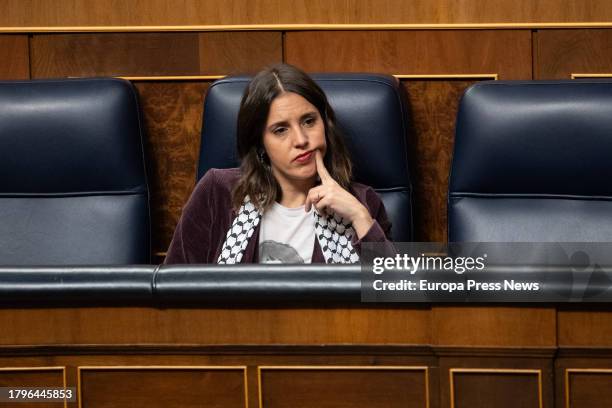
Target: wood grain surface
[162, 387]
[497, 381]
[141, 370]
[329, 387]
[153, 54]
[31, 377]
[433, 108]
[239, 52]
[121, 54]
[14, 57]
[190, 12]
[504, 52]
[560, 53]
[138, 367]
[172, 113]
[500, 326]
[482, 390]
[586, 389]
[585, 326]
[141, 325]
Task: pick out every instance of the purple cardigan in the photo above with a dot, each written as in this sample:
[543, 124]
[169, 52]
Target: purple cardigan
[208, 215]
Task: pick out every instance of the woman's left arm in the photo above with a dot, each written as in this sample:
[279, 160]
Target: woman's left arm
[380, 228]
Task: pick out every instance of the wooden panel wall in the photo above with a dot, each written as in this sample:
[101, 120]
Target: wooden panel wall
[309, 376]
[502, 388]
[561, 53]
[14, 57]
[135, 54]
[185, 375]
[506, 52]
[172, 114]
[191, 386]
[343, 387]
[34, 376]
[582, 386]
[28, 13]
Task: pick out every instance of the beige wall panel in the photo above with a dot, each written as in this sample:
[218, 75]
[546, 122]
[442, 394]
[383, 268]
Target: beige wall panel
[172, 113]
[561, 53]
[135, 54]
[14, 57]
[505, 52]
[167, 387]
[239, 52]
[190, 12]
[343, 388]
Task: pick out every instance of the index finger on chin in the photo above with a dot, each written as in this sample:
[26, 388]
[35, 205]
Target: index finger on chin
[321, 169]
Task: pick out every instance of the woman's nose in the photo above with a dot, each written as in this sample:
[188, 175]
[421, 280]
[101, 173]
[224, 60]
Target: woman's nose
[300, 137]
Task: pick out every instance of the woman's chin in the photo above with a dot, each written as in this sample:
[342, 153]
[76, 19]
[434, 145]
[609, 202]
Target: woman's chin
[303, 175]
[307, 173]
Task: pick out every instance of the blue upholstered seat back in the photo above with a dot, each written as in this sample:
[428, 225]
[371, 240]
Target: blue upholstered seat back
[72, 180]
[533, 162]
[370, 110]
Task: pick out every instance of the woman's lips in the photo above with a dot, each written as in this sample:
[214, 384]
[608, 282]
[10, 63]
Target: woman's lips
[304, 158]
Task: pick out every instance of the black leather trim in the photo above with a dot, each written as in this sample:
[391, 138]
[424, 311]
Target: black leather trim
[179, 284]
[256, 283]
[87, 284]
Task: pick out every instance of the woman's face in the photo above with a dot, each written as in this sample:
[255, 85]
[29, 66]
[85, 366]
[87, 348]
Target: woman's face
[294, 130]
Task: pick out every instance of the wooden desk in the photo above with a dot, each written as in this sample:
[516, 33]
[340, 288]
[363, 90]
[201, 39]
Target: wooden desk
[381, 356]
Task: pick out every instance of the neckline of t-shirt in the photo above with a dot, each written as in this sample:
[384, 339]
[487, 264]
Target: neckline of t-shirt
[291, 212]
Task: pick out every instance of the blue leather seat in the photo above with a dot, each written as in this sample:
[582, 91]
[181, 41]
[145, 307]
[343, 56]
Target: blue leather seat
[370, 109]
[532, 163]
[72, 179]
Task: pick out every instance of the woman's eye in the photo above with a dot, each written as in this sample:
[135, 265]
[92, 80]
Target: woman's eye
[309, 121]
[279, 130]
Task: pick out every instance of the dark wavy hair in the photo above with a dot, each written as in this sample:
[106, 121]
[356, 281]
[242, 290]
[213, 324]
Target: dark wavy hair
[257, 180]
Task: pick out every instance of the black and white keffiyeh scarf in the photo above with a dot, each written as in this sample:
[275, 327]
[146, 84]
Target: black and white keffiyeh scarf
[332, 232]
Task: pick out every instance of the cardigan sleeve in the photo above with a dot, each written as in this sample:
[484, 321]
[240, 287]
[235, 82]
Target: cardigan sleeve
[380, 231]
[193, 237]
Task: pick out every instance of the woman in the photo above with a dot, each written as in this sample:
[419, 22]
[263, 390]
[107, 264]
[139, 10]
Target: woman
[292, 199]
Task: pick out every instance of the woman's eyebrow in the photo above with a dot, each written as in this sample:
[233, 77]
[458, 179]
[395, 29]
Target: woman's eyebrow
[286, 123]
[279, 123]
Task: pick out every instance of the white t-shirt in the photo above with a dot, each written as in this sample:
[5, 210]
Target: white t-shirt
[286, 235]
